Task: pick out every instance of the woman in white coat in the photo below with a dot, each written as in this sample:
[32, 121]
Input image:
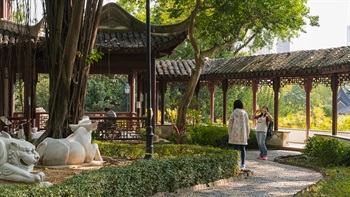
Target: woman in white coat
[239, 129]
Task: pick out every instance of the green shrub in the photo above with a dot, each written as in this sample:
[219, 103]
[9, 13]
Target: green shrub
[209, 135]
[180, 166]
[217, 136]
[326, 152]
[252, 141]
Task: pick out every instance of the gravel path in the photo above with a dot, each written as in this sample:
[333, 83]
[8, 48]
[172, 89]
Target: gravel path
[269, 179]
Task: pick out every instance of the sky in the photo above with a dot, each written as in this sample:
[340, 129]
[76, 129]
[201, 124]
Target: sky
[334, 17]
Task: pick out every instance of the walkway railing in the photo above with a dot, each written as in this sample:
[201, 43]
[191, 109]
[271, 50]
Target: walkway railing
[122, 127]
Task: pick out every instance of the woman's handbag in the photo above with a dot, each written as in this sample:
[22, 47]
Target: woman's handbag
[269, 128]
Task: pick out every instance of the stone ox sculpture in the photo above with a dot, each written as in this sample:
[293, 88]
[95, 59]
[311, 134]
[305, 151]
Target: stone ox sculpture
[73, 150]
[17, 160]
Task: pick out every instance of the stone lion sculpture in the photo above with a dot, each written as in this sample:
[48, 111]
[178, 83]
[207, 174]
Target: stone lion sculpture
[73, 150]
[17, 160]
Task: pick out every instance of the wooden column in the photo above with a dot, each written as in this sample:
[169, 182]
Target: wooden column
[6, 12]
[144, 97]
[211, 88]
[11, 91]
[154, 92]
[6, 91]
[2, 93]
[28, 84]
[156, 106]
[255, 90]
[308, 88]
[334, 86]
[224, 102]
[138, 95]
[132, 82]
[196, 92]
[276, 89]
[162, 90]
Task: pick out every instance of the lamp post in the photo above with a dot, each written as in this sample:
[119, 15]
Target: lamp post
[149, 129]
[127, 91]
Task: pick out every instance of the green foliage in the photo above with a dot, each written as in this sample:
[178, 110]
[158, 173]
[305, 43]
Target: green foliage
[292, 99]
[216, 136]
[182, 166]
[42, 91]
[219, 22]
[106, 91]
[209, 135]
[142, 132]
[336, 184]
[94, 56]
[327, 152]
[134, 151]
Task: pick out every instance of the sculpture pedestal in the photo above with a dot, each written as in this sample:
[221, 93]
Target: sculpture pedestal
[278, 138]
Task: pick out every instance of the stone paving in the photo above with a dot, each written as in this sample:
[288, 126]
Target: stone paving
[269, 179]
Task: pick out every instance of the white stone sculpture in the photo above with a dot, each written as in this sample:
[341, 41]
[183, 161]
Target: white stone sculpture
[17, 160]
[73, 150]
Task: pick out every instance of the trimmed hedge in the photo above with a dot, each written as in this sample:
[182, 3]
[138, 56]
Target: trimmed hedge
[216, 136]
[325, 152]
[173, 167]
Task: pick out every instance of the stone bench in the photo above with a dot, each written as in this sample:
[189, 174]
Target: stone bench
[278, 138]
[344, 139]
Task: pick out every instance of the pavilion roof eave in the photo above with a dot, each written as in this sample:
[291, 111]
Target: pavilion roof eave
[115, 18]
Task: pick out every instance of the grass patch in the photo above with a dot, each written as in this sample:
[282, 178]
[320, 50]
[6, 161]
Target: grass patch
[336, 183]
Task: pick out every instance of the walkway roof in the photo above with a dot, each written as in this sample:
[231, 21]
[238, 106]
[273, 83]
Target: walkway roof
[321, 62]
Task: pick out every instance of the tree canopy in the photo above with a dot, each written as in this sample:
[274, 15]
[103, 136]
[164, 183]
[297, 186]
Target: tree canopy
[217, 25]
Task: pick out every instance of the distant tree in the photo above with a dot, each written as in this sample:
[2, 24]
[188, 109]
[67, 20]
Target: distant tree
[42, 90]
[293, 100]
[106, 91]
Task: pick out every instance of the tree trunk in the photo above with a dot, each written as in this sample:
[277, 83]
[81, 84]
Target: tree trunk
[71, 30]
[187, 97]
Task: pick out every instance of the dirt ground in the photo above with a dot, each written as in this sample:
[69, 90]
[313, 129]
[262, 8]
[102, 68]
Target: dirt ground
[57, 174]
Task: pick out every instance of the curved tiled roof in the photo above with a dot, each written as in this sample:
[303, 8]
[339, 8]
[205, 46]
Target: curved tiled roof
[13, 33]
[175, 69]
[298, 63]
[120, 32]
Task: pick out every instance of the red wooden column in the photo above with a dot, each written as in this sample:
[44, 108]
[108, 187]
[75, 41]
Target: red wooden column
[276, 89]
[255, 90]
[132, 82]
[154, 93]
[196, 93]
[211, 88]
[138, 96]
[224, 104]
[162, 90]
[308, 88]
[6, 91]
[6, 11]
[156, 106]
[2, 94]
[141, 94]
[28, 84]
[334, 86]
